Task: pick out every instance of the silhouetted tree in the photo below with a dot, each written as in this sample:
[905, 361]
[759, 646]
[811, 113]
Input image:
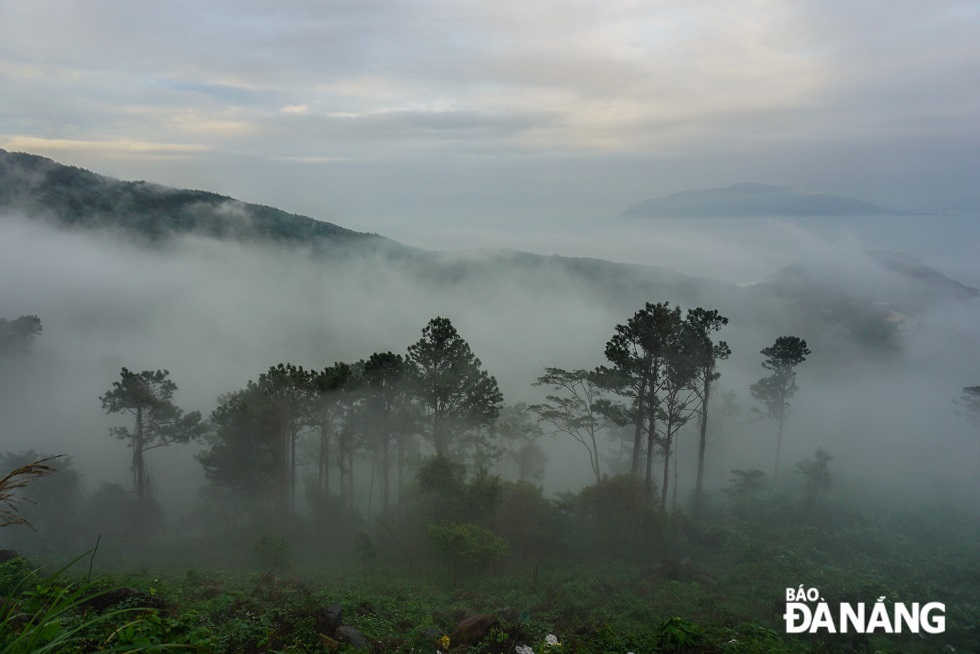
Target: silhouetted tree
[685, 350]
[336, 389]
[456, 395]
[705, 322]
[639, 351]
[574, 409]
[244, 454]
[18, 334]
[387, 403]
[257, 429]
[157, 422]
[291, 396]
[816, 475]
[775, 391]
[517, 430]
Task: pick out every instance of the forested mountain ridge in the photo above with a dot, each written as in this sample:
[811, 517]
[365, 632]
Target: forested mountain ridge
[67, 196]
[75, 197]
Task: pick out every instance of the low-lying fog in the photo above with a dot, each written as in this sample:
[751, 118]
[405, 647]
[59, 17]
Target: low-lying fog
[218, 314]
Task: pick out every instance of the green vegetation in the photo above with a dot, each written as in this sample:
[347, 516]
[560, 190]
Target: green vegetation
[725, 596]
[434, 543]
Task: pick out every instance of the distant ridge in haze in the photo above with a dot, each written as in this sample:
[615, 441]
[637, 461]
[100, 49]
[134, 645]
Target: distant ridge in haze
[74, 197]
[746, 200]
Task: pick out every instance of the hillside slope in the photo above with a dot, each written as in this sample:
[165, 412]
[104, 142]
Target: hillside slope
[70, 196]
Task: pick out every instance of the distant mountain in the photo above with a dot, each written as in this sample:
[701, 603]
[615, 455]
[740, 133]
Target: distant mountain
[746, 200]
[798, 299]
[66, 196]
[70, 196]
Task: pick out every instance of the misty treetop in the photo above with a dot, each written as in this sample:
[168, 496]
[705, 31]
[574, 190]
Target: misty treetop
[662, 365]
[18, 335]
[378, 408]
[775, 391]
[576, 409]
[157, 422]
[458, 396]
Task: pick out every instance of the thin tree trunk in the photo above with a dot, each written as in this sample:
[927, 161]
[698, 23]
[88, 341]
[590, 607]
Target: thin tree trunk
[385, 475]
[139, 465]
[779, 444]
[342, 446]
[400, 456]
[651, 442]
[323, 476]
[350, 473]
[283, 462]
[638, 433]
[674, 493]
[374, 467]
[292, 470]
[702, 446]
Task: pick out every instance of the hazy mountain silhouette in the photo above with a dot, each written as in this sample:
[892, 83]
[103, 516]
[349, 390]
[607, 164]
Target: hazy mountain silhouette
[744, 200]
[70, 196]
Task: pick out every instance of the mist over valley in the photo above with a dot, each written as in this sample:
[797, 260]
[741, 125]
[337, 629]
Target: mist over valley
[490, 327]
[133, 275]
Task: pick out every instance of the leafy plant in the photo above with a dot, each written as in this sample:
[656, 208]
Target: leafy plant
[48, 616]
[466, 547]
[676, 634]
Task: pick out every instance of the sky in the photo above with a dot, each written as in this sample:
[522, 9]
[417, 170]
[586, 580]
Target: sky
[442, 123]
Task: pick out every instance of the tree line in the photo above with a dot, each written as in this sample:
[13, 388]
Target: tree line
[437, 398]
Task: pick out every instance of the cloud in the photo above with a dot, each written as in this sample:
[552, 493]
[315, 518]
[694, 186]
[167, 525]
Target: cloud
[827, 96]
[111, 148]
[217, 314]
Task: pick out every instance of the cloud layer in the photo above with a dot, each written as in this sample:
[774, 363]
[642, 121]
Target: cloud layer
[872, 100]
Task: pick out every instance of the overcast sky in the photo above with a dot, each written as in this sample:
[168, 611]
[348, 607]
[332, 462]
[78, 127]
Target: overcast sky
[414, 117]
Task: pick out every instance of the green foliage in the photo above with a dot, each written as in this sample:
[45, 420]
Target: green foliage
[148, 397]
[272, 553]
[15, 573]
[533, 525]
[677, 634]
[466, 548]
[48, 615]
[617, 515]
[252, 454]
[455, 393]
